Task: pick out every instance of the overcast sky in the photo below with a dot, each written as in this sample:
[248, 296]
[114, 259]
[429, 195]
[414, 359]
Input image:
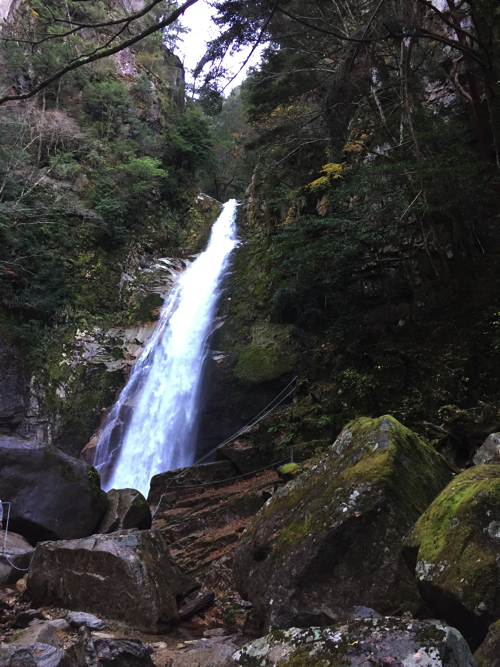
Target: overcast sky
[198, 19]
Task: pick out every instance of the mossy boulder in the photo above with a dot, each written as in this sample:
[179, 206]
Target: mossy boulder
[290, 471]
[377, 642]
[267, 357]
[331, 538]
[261, 364]
[455, 551]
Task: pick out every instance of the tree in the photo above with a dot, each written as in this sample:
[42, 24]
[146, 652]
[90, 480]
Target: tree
[60, 43]
[233, 169]
[343, 46]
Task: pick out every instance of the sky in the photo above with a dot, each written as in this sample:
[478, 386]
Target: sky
[202, 30]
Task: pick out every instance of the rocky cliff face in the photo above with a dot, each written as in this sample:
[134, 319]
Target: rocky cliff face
[128, 220]
[395, 336]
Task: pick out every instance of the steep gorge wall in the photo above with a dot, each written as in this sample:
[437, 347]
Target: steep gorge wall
[75, 320]
[400, 337]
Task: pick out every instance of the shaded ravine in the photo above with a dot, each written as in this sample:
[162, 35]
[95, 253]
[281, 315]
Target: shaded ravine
[152, 427]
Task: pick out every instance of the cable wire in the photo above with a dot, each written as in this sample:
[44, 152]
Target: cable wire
[253, 422]
[4, 549]
[229, 479]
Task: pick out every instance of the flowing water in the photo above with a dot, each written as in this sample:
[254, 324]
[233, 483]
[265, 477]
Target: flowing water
[153, 425]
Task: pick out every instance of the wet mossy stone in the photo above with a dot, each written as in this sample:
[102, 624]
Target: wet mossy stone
[455, 549]
[262, 364]
[331, 538]
[290, 471]
[377, 642]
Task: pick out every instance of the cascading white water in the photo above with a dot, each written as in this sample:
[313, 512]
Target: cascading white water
[153, 425]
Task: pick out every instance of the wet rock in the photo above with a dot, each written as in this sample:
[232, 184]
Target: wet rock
[78, 618]
[266, 359]
[127, 509]
[12, 389]
[488, 654]
[44, 633]
[19, 552]
[52, 495]
[374, 642]
[24, 618]
[489, 452]
[36, 655]
[107, 652]
[203, 525]
[212, 475]
[330, 540]
[244, 456]
[253, 625]
[126, 576]
[454, 551]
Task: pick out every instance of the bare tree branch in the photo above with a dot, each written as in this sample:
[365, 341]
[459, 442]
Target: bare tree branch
[101, 53]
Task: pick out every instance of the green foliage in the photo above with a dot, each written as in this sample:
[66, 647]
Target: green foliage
[84, 177]
[108, 103]
[141, 174]
[142, 88]
[192, 143]
[233, 165]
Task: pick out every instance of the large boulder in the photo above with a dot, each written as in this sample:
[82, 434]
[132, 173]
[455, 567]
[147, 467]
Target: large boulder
[377, 642]
[127, 509]
[18, 554]
[454, 550]
[330, 540]
[53, 496]
[126, 576]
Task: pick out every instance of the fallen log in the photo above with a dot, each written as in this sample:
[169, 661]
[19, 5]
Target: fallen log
[200, 604]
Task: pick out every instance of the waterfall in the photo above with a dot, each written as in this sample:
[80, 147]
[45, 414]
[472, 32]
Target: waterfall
[153, 425]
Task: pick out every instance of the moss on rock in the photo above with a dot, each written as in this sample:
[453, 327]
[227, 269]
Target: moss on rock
[290, 471]
[380, 641]
[458, 541]
[260, 364]
[332, 536]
